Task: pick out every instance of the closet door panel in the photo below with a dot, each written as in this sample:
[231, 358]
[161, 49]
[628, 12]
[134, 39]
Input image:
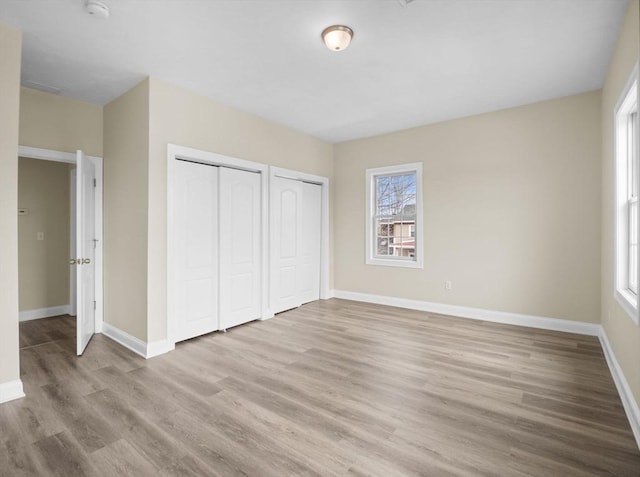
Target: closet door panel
[196, 236]
[286, 236]
[240, 242]
[309, 274]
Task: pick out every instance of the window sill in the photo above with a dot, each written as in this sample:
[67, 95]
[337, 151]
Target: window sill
[628, 303]
[388, 262]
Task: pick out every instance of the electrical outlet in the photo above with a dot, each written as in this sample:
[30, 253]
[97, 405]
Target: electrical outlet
[40, 236]
[448, 285]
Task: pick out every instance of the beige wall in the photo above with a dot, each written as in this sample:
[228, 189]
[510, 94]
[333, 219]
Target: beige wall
[126, 179]
[43, 189]
[10, 53]
[187, 119]
[511, 210]
[623, 334]
[54, 122]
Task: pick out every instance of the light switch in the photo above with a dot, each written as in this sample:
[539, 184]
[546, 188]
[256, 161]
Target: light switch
[40, 236]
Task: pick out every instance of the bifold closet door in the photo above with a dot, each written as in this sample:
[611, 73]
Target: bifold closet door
[295, 243]
[309, 272]
[286, 232]
[240, 241]
[195, 232]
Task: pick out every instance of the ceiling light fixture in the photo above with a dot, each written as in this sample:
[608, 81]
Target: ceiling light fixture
[337, 37]
[97, 9]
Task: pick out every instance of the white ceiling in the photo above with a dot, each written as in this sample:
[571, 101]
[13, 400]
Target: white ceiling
[407, 66]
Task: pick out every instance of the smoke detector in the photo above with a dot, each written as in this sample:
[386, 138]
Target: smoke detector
[97, 8]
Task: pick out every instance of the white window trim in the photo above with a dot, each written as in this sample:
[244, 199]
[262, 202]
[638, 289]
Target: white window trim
[625, 298]
[370, 199]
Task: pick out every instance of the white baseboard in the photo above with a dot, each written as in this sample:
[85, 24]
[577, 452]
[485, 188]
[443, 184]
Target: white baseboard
[624, 390]
[11, 390]
[139, 347]
[541, 322]
[130, 342]
[36, 314]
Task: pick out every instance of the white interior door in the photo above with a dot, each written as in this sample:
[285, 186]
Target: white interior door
[85, 248]
[309, 269]
[240, 243]
[195, 262]
[286, 232]
[73, 292]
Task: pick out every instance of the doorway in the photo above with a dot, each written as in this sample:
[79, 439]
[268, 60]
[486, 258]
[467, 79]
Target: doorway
[60, 256]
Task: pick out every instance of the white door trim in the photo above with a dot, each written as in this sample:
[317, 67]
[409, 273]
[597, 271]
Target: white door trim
[324, 240]
[176, 152]
[70, 158]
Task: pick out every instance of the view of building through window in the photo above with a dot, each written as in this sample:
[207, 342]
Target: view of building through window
[395, 215]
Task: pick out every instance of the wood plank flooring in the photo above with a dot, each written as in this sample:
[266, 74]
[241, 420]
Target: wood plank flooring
[333, 388]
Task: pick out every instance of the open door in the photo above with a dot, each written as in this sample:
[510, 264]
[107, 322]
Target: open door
[85, 250]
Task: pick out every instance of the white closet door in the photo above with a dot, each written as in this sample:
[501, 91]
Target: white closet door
[196, 246]
[309, 271]
[286, 232]
[240, 232]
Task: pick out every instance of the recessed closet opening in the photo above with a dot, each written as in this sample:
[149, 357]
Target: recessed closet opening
[244, 241]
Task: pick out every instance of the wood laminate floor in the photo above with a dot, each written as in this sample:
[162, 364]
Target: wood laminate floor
[332, 388]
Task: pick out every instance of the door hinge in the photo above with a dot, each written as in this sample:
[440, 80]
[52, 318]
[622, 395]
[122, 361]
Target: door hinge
[94, 304]
[94, 182]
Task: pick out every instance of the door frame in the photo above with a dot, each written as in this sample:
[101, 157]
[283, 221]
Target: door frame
[70, 158]
[322, 181]
[176, 152]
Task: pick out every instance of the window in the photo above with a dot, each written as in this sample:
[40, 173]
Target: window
[394, 216]
[627, 171]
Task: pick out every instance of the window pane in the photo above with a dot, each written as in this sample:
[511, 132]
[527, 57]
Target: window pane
[633, 269]
[383, 228]
[393, 206]
[395, 195]
[395, 210]
[633, 222]
[384, 246]
[632, 266]
[632, 151]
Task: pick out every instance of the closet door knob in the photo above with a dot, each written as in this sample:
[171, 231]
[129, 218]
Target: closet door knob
[72, 261]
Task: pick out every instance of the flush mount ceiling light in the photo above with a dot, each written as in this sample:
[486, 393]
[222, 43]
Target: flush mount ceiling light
[337, 37]
[97, 9]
